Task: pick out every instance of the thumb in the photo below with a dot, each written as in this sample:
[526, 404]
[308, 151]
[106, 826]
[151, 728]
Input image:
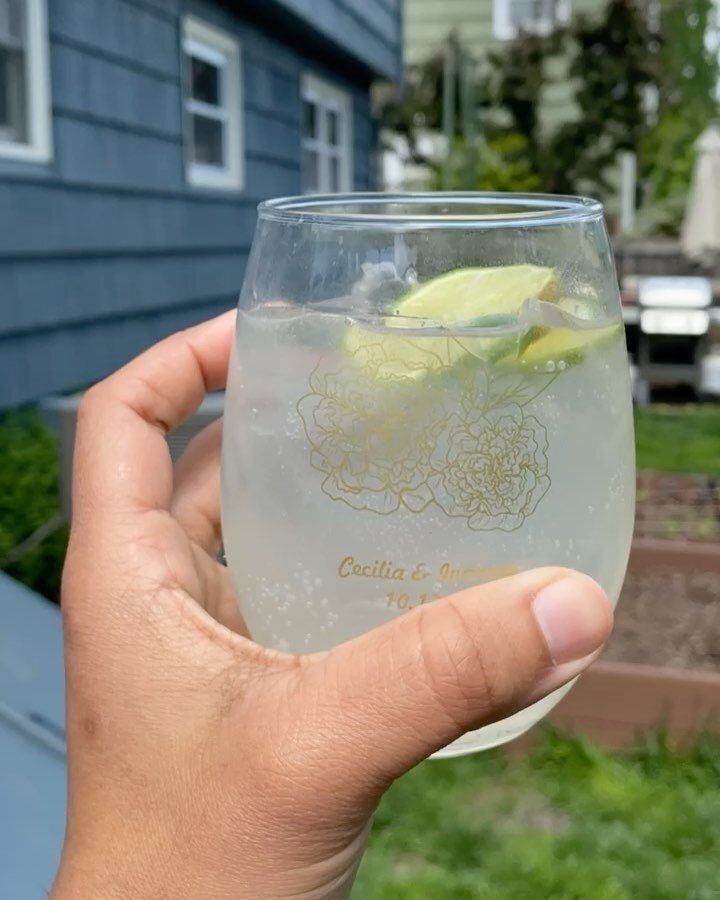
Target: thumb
[409, 688]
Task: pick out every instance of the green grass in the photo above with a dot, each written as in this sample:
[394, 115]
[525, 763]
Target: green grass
[678, 438]
[570, 822]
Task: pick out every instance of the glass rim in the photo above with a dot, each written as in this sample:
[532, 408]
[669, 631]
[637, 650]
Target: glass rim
[346, 210]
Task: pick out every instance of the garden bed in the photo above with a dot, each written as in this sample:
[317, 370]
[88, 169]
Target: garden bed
[662, 665]
[678, 506]
[669, 611]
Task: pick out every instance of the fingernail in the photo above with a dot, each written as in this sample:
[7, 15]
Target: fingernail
[574, 616]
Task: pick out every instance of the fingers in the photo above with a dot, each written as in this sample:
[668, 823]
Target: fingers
[196, 494]
[393, 696]
[121, 457]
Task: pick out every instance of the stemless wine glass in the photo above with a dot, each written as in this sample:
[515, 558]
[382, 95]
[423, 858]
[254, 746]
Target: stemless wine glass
[426, 392]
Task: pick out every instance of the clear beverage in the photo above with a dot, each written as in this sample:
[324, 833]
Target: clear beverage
[374, 464]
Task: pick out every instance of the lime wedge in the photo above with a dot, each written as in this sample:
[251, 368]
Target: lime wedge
[564, 347]
[478, 297]
[559, 346]
[466, 294]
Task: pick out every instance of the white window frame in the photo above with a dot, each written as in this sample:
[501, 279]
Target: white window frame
[38, 146]
[329, 97]
[505, 29]
[206, 42]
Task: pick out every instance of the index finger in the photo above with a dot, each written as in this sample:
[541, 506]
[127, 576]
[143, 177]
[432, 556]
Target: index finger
[122, 460]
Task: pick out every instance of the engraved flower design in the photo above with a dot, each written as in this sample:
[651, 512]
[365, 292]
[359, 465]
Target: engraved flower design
[370, 437]
[491, 467]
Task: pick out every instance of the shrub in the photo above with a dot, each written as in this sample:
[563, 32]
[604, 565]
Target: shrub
[28, 500]
[499, 164]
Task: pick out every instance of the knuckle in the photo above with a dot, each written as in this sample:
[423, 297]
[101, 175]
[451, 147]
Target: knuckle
[464, 670]
[90, 402]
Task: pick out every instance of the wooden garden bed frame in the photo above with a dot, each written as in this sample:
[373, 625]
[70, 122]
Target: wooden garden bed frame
[615, 703]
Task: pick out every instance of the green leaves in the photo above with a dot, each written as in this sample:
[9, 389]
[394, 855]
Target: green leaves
[606, 72]
[28, 499]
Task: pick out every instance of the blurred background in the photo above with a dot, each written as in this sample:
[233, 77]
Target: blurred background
[137, 138]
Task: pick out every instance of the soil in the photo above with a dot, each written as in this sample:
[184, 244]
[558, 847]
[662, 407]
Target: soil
[668, 616]
[678, 506]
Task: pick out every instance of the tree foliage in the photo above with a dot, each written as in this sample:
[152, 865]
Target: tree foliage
[642, 76]
[500, 164]
[613, 64]
[688, 74]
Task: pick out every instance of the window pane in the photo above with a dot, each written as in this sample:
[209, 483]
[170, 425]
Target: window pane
[310, 177]
[12, 96]
[12, 22]
[207, 141]
[334, 173]
[309, 119]
[333, 127]
[204, 81]
[523, 12]
[531, 14]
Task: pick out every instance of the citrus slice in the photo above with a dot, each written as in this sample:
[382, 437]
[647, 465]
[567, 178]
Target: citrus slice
[478, 297]
[466, 294]
[562, 347]
[558, 346]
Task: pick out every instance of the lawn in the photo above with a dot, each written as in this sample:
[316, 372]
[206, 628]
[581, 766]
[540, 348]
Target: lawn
[678, 438]
[569, 822]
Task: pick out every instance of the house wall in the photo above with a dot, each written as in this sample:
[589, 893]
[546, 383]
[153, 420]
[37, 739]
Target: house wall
[367, 29]
[107, 248]
[427, 24]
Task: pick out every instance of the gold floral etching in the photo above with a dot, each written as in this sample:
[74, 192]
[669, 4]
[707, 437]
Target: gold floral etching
[396, 422]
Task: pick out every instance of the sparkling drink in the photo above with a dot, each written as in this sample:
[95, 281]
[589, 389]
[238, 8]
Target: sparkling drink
[374, 462]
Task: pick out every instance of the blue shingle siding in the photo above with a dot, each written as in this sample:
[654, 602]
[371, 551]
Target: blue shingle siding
[107, 247]
[95, 87]
[366, 29]
[138, 33]
[82, 352]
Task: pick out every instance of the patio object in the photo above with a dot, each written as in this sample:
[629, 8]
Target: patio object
[673, 335]
[32, 742]
[60, 413]
[701, 229]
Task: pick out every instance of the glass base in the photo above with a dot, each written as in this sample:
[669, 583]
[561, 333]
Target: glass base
[505, 730]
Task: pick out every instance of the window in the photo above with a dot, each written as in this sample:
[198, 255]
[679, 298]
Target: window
[326, 137]
[510, 17]
[213, 107]
[25, 120]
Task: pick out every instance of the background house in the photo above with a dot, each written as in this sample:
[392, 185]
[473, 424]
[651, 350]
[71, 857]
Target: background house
[484, 25]
[479, 28]
[136, 139]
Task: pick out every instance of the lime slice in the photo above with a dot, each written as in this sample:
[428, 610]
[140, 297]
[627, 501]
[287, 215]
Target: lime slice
[579, 309]
[466, 294]
[485, 297]
[564, 347]
[545, 348]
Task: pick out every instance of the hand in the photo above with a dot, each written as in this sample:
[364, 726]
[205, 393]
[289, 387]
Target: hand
[204, 766]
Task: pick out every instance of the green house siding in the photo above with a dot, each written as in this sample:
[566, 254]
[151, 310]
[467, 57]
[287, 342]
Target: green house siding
[428, 23]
